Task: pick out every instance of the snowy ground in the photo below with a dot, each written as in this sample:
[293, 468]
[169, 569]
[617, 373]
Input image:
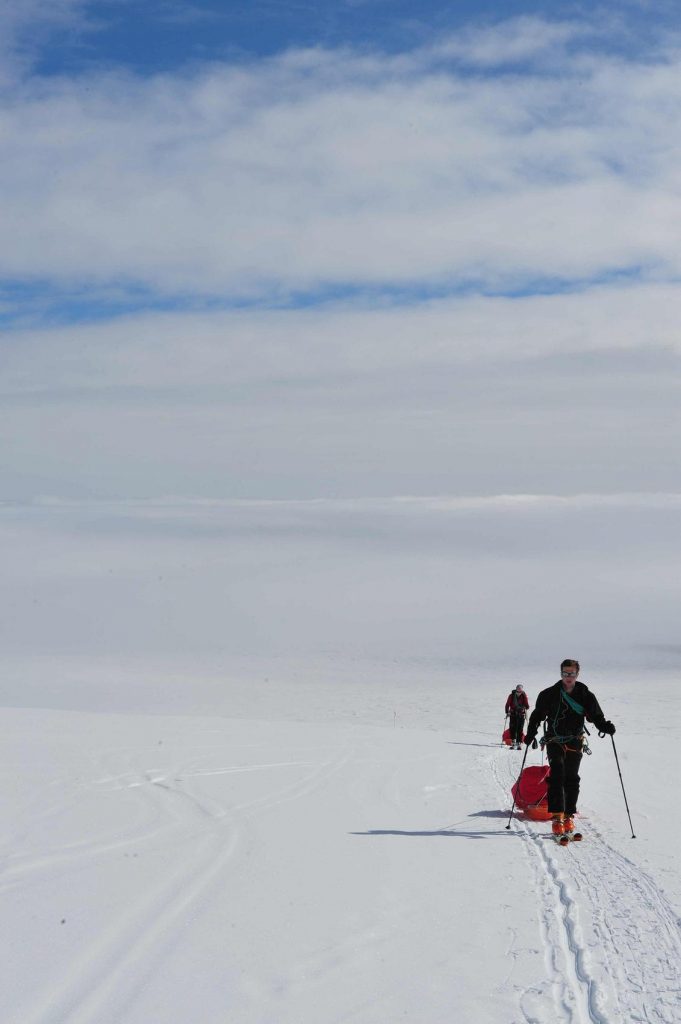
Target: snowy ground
[179, 868]
[305, 840]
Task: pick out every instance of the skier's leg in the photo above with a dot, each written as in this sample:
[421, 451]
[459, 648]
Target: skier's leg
[556, 789]
[572, 762]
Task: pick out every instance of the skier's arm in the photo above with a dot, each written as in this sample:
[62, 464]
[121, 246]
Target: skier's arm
[532, 727]
[537, 716]
[595, 715]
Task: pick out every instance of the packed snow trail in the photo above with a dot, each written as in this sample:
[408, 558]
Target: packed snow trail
[613, 942]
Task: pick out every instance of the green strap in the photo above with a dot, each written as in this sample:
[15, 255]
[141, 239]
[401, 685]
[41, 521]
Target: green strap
[573, 703]
[575, 707]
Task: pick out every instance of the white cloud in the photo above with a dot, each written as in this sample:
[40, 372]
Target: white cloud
[515, 40]
[562, 394]
[318, 168]
[242, 348]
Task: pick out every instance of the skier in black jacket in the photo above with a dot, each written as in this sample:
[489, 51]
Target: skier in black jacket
[563, 707]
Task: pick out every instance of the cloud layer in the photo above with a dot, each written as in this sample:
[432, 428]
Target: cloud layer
[349, 276]
[446, 271]
[493, 160]
[559, 394]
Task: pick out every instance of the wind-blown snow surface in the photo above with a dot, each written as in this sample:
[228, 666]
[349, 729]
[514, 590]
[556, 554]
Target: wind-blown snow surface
[319, 839]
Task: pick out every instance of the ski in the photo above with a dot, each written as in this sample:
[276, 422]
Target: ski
[570, 837]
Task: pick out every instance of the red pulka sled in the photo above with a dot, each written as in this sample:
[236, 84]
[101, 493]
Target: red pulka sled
[507, 737]
[530, 792]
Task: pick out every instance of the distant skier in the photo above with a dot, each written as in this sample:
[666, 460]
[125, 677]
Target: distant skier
[563, 707]
[517, 706]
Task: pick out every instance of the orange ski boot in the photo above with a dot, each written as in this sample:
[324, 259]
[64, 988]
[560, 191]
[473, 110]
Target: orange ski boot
[558, 830]
[569, 829]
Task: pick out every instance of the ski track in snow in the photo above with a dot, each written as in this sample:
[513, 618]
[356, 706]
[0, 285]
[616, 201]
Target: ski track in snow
[107, 977]
[612, 940]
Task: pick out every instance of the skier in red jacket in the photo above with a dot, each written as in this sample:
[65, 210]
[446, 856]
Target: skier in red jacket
[517, 705]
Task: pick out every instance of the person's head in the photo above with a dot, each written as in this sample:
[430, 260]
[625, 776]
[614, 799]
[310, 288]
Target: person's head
[569, 670]
[519, 688]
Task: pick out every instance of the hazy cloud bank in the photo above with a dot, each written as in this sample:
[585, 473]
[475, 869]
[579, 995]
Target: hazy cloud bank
[429, 584]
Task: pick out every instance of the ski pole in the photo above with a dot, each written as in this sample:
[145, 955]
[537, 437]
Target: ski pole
[516, 787]
[614, 750]
[503, 730]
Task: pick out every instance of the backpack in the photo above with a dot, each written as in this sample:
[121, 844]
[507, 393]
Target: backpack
[518, 705]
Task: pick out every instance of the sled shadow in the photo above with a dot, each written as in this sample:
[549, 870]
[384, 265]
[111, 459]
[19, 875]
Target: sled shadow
[490, 814]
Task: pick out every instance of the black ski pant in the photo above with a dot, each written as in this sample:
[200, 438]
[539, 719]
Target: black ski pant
[516, 721]
[563, 777]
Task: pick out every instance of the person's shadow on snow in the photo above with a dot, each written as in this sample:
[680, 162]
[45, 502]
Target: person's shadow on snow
[450, 831]
[461, 743]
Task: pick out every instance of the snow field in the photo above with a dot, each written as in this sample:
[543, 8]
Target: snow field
[176, 868]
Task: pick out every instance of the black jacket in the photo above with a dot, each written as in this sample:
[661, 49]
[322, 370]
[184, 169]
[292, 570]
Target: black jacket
[563, 721]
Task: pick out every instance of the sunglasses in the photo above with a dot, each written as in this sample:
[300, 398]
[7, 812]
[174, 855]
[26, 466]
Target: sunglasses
[568, 673]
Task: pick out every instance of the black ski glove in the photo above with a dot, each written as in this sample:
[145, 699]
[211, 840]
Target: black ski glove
[608, 729]
[531, 741]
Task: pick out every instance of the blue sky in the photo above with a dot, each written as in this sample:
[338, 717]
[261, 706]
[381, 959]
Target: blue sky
[312, 250]
[161, 35]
